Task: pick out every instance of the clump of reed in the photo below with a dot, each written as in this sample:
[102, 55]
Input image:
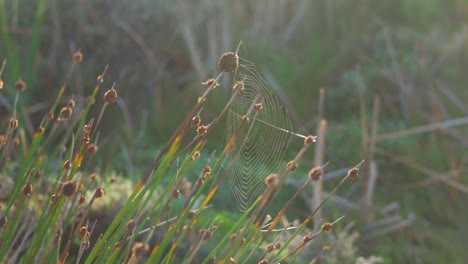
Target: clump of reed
[48, 190]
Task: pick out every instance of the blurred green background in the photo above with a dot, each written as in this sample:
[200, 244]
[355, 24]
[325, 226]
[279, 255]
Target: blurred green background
[412, 54]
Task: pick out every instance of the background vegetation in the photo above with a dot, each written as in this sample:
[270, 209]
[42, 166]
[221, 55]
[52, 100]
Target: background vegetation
[396, 64]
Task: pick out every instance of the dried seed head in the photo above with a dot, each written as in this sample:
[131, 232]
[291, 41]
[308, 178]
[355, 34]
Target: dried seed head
[77, 57]
[316, 173]
[211, 83]
[110, 96]
[263, 261]
[139, 249]
[51, 116]
[84, 233]
[232, 261]
[99, 192]
[20, 85]
[13, 123]
[40, 130]
[243, 241]
[131, 224]
[200, 182]
[239, 86]
[325, 248]
[191, 214]
[65, 113]
[326, 227]
[27, 189]
[93, 176]
[176, 194]
[82, 199]
[245, 119]
[54, 198]
[206, 171]
[91, 149]
[2, 140]
[195, 122]
[100, 79]
[207, 235]
[353, 173]
[195, 155]
[306, 239]
[71, 103]
[270, 247]
[1, 84]
[67, 165]
[271, 180]
[228, 62]
[16, 141]
[291, 165]
[112, 179]
[309, 140]
[69, 188]
[233, 237]
[258, 107]
[201, 130]
[212, 260]
[277, 245]
[3, 221]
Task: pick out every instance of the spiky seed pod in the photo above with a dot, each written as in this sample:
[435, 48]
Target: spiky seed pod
[291, 165]
[131, 224]
[258, 107]
[271, 180]
[326, 227]
[195, 121]
[77, 57]
[69, 188]
[13, 123]
[239, 86]
[20, 85]
[67, 165]
[316, 173]
[353, 173]
[83, 232]
[309, 140]
[82, 200]
[65, 113]
[99, 192]
[228, 62]
[110, 96]
[211, 82]
[201, 130]
[27, 189]
[139, 249]
[3, 221]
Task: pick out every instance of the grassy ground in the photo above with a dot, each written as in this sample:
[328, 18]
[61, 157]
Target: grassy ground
[411, 54]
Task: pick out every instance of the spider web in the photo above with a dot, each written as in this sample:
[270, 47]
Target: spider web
[260, 146]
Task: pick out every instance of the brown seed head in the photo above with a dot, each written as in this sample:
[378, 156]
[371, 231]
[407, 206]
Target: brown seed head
[353, 173]
[69, 188]
[316, 173]
[212, 260]
[271, 180]
[206, 171]
[277, 245]
[201, 130]
[239, 86]
[195, 122]
[200, 182]
[3, 221]
[2, 140]
[93, 176]
[13, 123]
[212, 83]
[110, 96]
[325, 248]
[100, 79]
[309, 140]
[67, 165]
[326, 227]
[82, 199]
[99, 192]
[139, 249]
[306, 239]
[51, 116]
[232, 261]
[1, 84]
[258, 107]
[291, 165]
[54, 198]
[228, 62]
[263, 261]
[207, 235]
[71, 103]
[16, 141]
[77, 57]
[270, 247]
[65, 113]
[91, 149]
[131, 224]
[195, 155]
[20, 85]
[233, 237]
[84, 233]
[191, 214]
[176, 194]
[40, 130]
[243, 241]
[112, 179]
[27, 189]
[245, 119]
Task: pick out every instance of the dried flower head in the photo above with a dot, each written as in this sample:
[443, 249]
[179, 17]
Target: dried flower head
[139, 249]
[228, 62]
[263, 261]
[195, 121]
[91, 149]
[65, 113]
[258, 107]
[211, 83]
[277, 245]
[233, 237]
[100, 79]
[325, 248]
[206, 171]
[326, 227]
[69, 188]
[316, 173]
[270, 247]
[67, 165]
[57, 236]
[16, 141]
[306, 239]
[201, 130]
[71, 103]
[77, 57]
[176, 194]
[131, 224]
[3, 221]
[195, 155]
[40, 130]
[82, 199]
[110, 96]
[99, 192]
[353, 173]
[245, 119]
[13, 123]
[83, 232]
[271, 180]
[207, 235]
[2, 140]
[1, 84]
[20, 85]
[27, 189]
[309, 140]
[239, 86]
[190, 214]
[291, 165]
